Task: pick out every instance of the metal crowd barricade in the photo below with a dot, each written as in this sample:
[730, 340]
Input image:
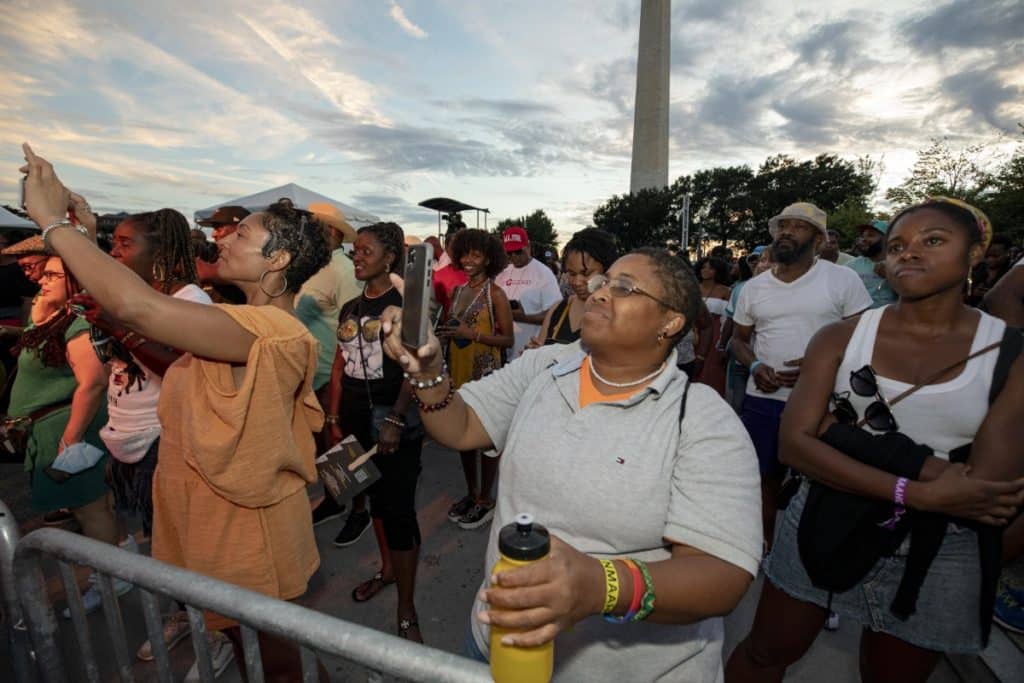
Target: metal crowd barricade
[312, 631]
[17, 634]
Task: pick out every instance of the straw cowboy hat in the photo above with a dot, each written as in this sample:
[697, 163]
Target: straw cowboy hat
[26, 247]
[331, 216]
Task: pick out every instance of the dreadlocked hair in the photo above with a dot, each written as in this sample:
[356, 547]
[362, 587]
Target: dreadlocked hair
[47, 339]
[167, 233]
[391, 237]
[297, 232]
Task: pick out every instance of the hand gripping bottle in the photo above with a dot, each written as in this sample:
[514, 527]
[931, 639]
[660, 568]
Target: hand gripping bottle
[520, 543]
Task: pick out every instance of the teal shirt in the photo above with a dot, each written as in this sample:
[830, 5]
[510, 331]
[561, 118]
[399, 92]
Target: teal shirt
[878, 287]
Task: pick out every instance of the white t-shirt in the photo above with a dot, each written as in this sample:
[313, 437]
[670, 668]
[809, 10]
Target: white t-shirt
[785, 315]
[132, 423]
[535, 288]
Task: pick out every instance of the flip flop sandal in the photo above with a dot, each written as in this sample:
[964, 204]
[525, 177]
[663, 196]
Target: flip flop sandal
[378, 579]
[403, 628]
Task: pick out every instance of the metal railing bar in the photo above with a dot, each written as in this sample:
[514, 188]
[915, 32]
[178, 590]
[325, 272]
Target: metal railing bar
[17, 633]
[115, 625]
[38, 614]
[310, 674]
[251, 648]
[199, 643]
[77, 610]
[321, 632]
[155, 629]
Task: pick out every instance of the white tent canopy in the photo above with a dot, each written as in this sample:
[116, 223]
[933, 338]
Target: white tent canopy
[299, 195]
[10, 220]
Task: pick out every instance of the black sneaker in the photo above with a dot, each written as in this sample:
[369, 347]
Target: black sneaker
[58, 517]
[355, 526]
[459, 509]
[477, 516]
[327, 510]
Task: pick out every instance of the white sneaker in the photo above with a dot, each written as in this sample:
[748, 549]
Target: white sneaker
[175, 630]
[221, 654]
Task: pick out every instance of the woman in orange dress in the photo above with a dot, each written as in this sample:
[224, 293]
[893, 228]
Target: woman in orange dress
[237, 409]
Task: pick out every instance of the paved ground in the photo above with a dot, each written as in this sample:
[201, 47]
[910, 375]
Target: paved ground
[450, 572]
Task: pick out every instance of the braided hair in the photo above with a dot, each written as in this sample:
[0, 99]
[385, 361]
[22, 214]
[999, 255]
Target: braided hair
[391, 237]
[47, 339]
[167, 233]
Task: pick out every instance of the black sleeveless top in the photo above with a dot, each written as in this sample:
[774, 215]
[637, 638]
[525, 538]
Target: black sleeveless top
[560, 331]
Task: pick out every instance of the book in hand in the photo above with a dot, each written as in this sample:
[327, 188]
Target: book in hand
[346, 470]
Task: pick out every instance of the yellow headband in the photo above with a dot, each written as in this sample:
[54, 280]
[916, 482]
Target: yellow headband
[984, 224]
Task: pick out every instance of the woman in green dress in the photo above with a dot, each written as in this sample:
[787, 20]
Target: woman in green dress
[61, 384]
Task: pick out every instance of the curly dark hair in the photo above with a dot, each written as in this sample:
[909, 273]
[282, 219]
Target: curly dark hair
[486, 243]
[47, 340]
[595, 243]
[720, 267]
[298, 233]
[677, 280]
[392, 238]
[167, 234]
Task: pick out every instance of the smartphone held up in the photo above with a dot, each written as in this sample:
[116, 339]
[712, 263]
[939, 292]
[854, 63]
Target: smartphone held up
[419, 272]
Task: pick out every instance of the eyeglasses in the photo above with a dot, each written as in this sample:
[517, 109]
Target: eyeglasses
[877, 415]
[621, 287]
[29, 266]
[50, 275]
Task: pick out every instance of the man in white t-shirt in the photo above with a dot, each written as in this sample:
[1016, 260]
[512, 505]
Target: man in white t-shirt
[530, 286]
[786, 306]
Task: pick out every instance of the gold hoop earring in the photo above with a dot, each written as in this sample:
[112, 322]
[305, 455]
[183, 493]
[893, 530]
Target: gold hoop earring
[284, 287]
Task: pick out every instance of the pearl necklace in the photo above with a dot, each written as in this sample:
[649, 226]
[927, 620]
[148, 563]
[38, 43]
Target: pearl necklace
[623, 385]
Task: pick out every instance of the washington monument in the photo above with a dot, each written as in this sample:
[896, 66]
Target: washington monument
[650, 112]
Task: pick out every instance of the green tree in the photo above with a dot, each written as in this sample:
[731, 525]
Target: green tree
[720, 202]
[644, 218]
[845, 219]
[942, 170]
[1004, 203]
[540, 229]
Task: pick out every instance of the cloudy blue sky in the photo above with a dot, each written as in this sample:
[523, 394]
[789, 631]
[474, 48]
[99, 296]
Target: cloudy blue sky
[509, 105]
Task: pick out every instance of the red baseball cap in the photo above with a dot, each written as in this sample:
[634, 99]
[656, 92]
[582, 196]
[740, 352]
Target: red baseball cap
[515, 238]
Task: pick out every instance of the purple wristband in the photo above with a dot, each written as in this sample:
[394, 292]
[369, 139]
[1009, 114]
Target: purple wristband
[899, 497]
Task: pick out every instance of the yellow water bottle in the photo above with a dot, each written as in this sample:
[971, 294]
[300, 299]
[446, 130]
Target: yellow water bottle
[520, 543]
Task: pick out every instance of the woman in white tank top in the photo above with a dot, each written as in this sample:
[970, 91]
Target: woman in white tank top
[919, 340]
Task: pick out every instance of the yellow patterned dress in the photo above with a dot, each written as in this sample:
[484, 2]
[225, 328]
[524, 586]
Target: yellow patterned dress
[469, 360]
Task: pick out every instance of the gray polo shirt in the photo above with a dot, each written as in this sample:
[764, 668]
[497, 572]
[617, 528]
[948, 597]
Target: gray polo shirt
[618, 479]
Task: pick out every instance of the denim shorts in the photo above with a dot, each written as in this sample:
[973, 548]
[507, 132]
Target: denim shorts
[947, 616]
[762, 418]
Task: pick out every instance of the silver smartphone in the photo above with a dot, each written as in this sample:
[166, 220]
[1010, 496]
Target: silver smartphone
[21, 188]
[419, 273]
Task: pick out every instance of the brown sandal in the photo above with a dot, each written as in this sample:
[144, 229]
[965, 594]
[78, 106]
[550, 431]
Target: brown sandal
[377, 583]
[404, 625]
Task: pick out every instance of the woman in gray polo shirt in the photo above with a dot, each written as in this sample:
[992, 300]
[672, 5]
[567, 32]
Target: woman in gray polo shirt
[595, 449]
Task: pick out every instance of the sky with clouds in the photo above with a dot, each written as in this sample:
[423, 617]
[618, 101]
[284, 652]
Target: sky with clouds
[513, 106]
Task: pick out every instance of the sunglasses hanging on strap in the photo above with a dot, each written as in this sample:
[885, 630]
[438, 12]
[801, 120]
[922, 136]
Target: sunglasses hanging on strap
[878, 415]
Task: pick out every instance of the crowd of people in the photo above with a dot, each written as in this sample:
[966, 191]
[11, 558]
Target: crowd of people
[845, 424]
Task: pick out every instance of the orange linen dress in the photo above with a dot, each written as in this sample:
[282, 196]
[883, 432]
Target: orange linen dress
[229, 492]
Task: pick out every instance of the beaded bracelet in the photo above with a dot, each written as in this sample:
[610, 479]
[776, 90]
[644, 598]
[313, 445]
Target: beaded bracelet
[647, 601]
[426, 384]
[611, 586]
[397, 422]
[434, 407]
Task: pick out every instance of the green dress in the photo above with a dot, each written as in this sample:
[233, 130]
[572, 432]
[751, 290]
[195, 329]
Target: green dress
[35, 387]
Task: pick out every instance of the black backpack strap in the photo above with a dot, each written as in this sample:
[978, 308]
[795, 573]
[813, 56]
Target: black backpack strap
[682, 404]
[1009, 349]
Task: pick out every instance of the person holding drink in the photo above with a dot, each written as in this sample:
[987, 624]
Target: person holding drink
[647, 485]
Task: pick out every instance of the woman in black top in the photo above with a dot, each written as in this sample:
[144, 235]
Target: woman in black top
[369, 399]
[590, 252]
